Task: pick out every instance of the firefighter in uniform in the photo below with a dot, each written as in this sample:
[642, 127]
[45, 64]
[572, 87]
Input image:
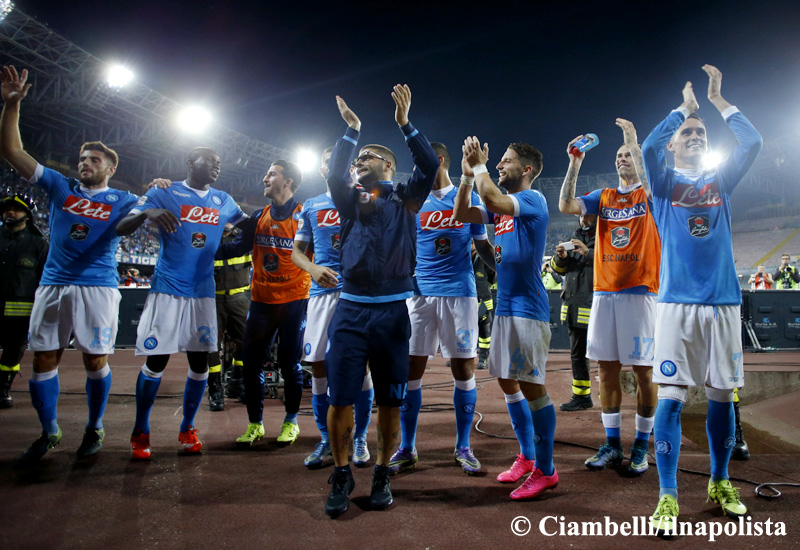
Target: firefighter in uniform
[577, 266]
[232, 277]
[23, 251]
[485, 277]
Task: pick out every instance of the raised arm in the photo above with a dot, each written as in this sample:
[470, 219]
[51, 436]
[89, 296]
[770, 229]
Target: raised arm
[632, 143]
[426, 162]
[464, 211]
[486, 252]
[566, 200]
[14, 88]
[339, 164]
[495, 201]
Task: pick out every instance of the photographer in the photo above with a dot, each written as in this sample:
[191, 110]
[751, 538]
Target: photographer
[786, 276]
[761, 280]
[551, 279]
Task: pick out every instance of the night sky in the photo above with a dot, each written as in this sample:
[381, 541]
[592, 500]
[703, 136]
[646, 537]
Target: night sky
[503, 72]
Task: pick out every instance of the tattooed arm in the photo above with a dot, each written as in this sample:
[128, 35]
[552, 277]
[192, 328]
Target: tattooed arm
[629, 133]
[566, 200]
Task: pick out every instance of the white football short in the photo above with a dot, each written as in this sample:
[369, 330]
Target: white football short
[621, 328]
[519, 349]
[318, 317]
[170, 324]
[698, 345]
[89, 313]
[447, 321]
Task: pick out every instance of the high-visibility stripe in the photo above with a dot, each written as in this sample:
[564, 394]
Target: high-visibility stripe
[234, 261]
[489, 304]
[18, 309]
[581, 387]
[735, 391]
[563, 312]
[233, 291]
[237, 363]
[6, 368]
[583, 315]
[217, 368]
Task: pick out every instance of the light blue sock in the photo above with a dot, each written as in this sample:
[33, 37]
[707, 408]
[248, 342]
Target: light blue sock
[363, 411]
[720, 428]
[464, 404]
[522, 425]
[97, 390]
[667, 436]
[543, 414]
[146, 391]
[44, 396]
[192, 397]
[290, 418]
[409, 414]
[319, 404]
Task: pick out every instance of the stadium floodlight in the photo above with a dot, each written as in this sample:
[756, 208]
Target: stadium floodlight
[6, 7]
[194, 120]
[306, 160]
[118, 76]
[711, 159]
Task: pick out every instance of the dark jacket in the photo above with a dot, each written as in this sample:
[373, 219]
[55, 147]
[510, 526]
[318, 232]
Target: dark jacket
[22, 258]
[578, 271]
[379, 221]
[232, 275]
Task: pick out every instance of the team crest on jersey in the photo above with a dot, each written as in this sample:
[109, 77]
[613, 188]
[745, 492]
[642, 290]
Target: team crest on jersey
[78, 231]
[112, 197]
[270, 262]
[216, 200]
[443, 246]
[498, 254]
[620, 237]
[699, 226]
[198, 239]
[336, 242]
[150, 343]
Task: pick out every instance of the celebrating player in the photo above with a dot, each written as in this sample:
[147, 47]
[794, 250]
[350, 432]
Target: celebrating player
[370, 324]
[279, 291]
[521, 332]
[698, 339]
[78, 293]
[622, 321]
[180, 312]
[320, 228]
[443, 313]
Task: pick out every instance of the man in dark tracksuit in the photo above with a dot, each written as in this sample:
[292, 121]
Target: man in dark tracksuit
[23, 251]
[577, 266]
[370, 323]
[232, 278]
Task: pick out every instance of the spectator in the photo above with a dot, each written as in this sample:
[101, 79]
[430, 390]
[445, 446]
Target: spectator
[551, 279]
[786, 276]
[761, 280]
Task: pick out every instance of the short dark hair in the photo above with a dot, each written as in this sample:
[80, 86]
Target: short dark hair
[384, 152]
[291, 171]
[110, 153]
[441, 150]
[197, 152]
[528, 156]
[696, 117]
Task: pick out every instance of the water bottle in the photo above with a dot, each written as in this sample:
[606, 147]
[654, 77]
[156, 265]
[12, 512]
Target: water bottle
[584, 144]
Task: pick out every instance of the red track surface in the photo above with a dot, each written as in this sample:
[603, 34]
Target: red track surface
[265, 497]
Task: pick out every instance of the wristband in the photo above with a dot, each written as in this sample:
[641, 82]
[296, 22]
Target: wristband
[479, 169]
[466, 180]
